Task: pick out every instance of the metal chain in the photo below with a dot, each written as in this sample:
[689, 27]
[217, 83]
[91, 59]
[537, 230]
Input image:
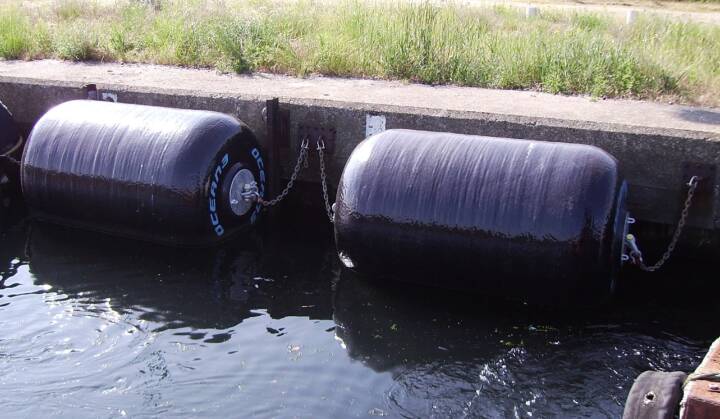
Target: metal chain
[323, 178]
[302, 160]
[251, 192]
[636, 254]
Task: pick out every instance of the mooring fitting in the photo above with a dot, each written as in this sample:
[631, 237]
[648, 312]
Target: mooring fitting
[630, 242]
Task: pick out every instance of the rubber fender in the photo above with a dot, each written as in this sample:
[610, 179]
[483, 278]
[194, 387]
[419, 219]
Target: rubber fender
[528, 220]
[144, 172]
[655, 395]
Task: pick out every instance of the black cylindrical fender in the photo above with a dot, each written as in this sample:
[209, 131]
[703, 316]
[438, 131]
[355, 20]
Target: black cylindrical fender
[151, 173]
[529, 220]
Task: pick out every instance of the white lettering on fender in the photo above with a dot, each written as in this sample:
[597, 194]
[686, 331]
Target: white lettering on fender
[212, 199]
[214, 218]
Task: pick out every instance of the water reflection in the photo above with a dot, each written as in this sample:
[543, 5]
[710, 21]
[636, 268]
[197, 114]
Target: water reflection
[97, 326]
[196, 288]
[12, 238]
[454, 355]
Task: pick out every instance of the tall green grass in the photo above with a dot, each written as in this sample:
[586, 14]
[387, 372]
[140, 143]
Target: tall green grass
[15, 34]
[494, 47]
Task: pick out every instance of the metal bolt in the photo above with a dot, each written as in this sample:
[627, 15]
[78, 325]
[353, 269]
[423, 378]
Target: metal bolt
[649, 397]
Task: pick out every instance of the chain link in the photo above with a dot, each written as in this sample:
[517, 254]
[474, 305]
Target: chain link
[301, 161]
[323, 179]
[636, 254]
[251, 193]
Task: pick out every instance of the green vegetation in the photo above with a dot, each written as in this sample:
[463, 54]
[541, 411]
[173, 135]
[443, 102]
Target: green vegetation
[498, 47]
[14, 35]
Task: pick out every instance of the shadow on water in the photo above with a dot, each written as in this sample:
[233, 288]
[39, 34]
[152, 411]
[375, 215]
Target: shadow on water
[12, 236]
[389, 325]
[445, 353]
[197, 288]
[218, 288]
[499, 360]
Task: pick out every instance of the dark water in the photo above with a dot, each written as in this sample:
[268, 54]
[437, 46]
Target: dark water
[98, 327]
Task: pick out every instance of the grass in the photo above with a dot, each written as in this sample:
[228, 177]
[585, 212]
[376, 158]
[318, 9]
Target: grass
[497, 47]
[15, 40]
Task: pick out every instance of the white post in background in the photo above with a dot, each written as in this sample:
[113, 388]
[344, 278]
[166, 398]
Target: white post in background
[531, 11]
[631, 17]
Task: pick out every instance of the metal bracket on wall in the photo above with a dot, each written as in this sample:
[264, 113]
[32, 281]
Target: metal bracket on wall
[278, 136]
[314, 133]
[702, 209]
[91, 92]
